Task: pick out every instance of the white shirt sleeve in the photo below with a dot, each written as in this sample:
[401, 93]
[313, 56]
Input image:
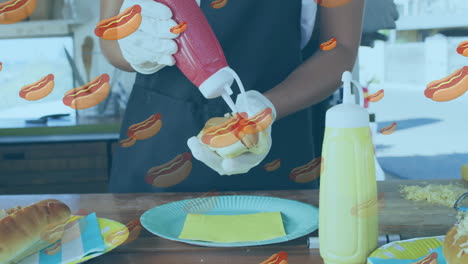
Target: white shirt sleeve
[308, 15]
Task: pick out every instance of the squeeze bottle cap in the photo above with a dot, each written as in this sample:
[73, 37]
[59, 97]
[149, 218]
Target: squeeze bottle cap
[348, 114]
[219, 84]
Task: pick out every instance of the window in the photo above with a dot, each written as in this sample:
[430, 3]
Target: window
[26, 61]
[430, 141]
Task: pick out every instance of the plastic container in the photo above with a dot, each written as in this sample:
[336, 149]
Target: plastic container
[348, 217]
[200, 56]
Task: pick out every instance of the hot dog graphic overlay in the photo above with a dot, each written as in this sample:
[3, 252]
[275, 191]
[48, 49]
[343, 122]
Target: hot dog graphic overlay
[134, 228]
[308, 172]
[88, 95]
[1, 66]
[448, 88]
[217, 4]
[278, 258]
[128, 142]
[236, 128]
[272, 166]
[462, 48]
[39, 89]
[179, 28]
[120, 26]
[429, 259]
[146, 129]
[375, 97]
[329, 45]
[389, 129]
[16, 10]
[332, 3]
[170, 173]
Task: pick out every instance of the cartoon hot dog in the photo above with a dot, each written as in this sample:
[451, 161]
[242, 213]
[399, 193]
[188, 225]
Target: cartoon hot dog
[120, 26]
[1, 66]
[272, 166]
[448, 88]
[429, 259]
[54, 249]
[39, 89]
[170, 173]
[258, 122]
[332, 3]
[375, 97]
[134, 229]
[329, 45]
[128, 142]
[306, 173]
[224, 133]
[16, 10]
[118, 237]
[88, 95]
[146, 129]
[278, 258]
[236, 128]
[389, 129]
[217, 4]
[462, 49]
[179, 28]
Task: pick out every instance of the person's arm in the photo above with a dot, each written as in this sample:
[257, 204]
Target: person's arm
[320, 75]
[111, 48]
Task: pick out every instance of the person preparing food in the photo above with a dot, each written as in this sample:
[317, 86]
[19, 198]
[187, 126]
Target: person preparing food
[262, 41]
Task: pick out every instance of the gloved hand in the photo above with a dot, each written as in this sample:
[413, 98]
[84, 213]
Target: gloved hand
[151, 47]
[251, 102]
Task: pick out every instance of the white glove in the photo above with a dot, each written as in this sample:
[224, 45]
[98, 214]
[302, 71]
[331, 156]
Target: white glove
[151, 47]
[251, 102]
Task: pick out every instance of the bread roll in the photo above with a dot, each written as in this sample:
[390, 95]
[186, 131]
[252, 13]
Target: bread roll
[25, 231]
[455, 246]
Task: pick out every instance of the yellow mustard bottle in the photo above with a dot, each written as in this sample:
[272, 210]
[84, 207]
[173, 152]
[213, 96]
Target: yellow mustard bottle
[348, 207]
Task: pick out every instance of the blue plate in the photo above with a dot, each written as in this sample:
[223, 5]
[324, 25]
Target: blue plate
[168, 220]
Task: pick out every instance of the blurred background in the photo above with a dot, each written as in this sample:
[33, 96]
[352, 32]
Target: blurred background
[46, 147]
[431, 140]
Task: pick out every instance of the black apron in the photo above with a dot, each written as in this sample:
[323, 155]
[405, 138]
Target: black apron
[261, 42]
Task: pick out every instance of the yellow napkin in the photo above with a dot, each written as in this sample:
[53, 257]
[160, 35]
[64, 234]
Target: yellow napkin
[233, 228]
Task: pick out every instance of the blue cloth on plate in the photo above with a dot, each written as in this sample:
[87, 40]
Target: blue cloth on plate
[440, 259]
[80, 239]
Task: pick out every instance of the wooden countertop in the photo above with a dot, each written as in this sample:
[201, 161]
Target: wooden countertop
[396, 216]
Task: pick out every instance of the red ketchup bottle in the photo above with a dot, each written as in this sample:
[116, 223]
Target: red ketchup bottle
[200, 56]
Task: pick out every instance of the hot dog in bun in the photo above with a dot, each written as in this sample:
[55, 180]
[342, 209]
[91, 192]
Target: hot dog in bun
[146, 129]
[462, 49]
[278, 258]
[170, 173]
[455, 246]
[448, 88]
[88, 95]
[328, 45]
[128, 142]
[307, 172]
[224, 136]
[429, 259]
[39, 89]
[120, 26]
[272, 166]
[16, 10]
[217, 4]
[332, 3]
[41, 225]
